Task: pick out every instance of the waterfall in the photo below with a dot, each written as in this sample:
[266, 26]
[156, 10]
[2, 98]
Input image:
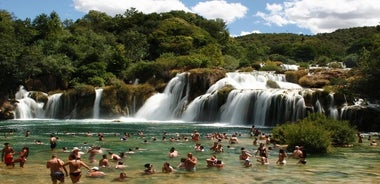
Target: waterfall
[256, 98]
[96, 108]
[252, 101]
[167, 105]
[203, 108]
[333, 111]
[53, 106]
[26, 107]
[262, 107]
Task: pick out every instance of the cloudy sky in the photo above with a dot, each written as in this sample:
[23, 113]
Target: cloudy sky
[242, 16]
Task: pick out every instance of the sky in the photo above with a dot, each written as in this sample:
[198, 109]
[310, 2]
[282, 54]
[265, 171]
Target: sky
[241, 16]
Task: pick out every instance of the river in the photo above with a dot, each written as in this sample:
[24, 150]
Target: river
[357, 164]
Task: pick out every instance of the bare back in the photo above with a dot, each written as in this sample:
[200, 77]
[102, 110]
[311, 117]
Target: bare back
[55, 165]
[75, 165]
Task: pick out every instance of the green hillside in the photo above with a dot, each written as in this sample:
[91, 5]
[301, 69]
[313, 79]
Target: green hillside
[46, 53]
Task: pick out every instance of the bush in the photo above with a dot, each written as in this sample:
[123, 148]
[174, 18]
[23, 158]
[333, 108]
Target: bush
[316, 133]
[313, 82]
[270, 68]
[314, 138]
[294, 76]
[341, 131]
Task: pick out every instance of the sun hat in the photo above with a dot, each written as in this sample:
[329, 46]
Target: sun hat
[95, 168]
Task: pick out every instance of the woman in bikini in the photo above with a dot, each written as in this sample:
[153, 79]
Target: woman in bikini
[23, 154]
[74, 169]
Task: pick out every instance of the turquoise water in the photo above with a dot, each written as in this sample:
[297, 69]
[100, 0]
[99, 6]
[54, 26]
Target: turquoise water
[359, 164]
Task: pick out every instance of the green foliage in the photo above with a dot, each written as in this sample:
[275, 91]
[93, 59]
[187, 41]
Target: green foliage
[213, 54]
[96, 81]
[84, 90]
[270, 66]
[315, 132]
[230, 63]
[190, 61]
[97, 47]
[246, 69]
[142, 71]
[314, 138]
[341, 131]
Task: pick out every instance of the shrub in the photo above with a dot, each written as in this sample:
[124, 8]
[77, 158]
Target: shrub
[341, 131]
[313, 82]
[246, 69]
[270, 68]
[315, 132]
[294, 76]
[315, 139]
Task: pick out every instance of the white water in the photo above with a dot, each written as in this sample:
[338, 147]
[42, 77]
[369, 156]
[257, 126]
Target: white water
[96, 108]
[166, 105]
[251, 102]
[26, 107]
[52, 106]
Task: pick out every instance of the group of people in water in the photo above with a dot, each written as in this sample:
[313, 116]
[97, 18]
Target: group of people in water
[75, 164]
[8, 155]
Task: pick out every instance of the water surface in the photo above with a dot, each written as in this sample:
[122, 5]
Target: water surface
[359, 164]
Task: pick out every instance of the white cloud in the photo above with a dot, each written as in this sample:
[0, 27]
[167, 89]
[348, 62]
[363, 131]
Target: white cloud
[229, 12]
[113, 7]
[323, 15]
[247, 33]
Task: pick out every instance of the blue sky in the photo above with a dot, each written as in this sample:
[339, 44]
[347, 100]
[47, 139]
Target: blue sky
[242, 16]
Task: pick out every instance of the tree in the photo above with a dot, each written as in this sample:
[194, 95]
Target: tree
[135, 45]
[48, 27]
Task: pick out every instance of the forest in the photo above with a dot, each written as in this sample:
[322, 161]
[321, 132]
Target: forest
[46, 53]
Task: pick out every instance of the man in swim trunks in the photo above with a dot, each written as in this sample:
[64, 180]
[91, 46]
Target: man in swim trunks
[56, 165]
[7, 155]
[53, 142]
[74, 167]
[190, 162]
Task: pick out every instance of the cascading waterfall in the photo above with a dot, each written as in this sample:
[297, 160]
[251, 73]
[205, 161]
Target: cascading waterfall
[202, 108]
[259, 98]
[53, 106]
[333, 111]
[98, 97]
[252, 101]
[26, 107]
[166, 105]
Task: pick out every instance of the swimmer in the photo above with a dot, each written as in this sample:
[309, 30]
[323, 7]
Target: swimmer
[104, 161]
[281, 157]
[167, 168]
[149, 169]
[173, 153]
[190, 162]
[95, 173]
[122, 177]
